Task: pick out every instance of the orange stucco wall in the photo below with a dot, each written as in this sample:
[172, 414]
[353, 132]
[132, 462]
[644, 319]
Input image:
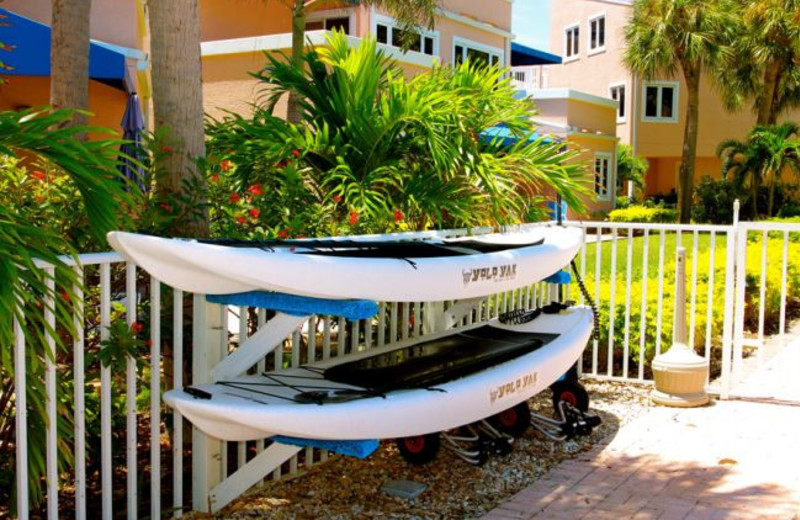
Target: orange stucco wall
[106, 103]
[595, 73]
[113, 21]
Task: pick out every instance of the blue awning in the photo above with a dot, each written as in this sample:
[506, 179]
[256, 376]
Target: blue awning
[522, 56]
[25, 51]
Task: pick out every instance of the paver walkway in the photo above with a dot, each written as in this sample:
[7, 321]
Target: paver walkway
[737, 459]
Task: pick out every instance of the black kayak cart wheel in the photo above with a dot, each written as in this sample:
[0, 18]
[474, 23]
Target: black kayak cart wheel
[572, 393]
[419, 449]
[513, 421]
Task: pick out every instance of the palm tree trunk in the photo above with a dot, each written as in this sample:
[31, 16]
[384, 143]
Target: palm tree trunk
[178, 98]
[754, 193]
[771, 199]
[298, 35]
[765, 109]
[689, 153]
[69, 57]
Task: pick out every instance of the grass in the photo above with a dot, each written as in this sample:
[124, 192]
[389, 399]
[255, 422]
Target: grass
[670, 249]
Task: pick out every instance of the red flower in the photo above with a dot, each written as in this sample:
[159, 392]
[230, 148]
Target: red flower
[337, 199]
[137, 327]
[226, 165]
[166, 207]
[282, 164]
[148, 343]
[215, 178]
[235, 198]
[254, 213]
[256, 189]
[241, 220]
[167, 149]
[283, 234]
[65, 296]
[398, 216]
[38, 175]
[353, 218]
[296, 153]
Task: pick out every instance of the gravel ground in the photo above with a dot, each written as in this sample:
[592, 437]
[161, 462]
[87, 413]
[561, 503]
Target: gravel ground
[348, 488]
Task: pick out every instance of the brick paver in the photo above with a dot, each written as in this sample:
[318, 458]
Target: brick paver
[737, 459]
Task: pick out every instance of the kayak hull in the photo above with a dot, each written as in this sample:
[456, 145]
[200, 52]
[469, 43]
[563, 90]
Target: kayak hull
[259, 406]
[207, 268]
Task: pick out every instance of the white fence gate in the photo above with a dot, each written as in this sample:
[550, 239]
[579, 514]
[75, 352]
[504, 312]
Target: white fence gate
[626, 268]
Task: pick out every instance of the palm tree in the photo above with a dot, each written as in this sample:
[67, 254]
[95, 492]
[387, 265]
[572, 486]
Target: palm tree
[764, 48]
[632, 167]
[410, 15]
[47, 137]
[69, 57]
[667, 36]
[177, 100]
[781, 151]
[763, 157]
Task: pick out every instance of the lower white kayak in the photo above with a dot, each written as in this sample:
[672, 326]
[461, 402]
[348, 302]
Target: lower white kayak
[395, 391]
[385, 270]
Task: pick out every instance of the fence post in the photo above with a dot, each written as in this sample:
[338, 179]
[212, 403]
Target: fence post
[731, 301]
[207, 470]
[21, 405]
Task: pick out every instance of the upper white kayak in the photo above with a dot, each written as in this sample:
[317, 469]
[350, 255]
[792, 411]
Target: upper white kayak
[431, 270]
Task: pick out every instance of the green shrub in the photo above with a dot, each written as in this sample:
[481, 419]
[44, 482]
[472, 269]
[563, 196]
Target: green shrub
[713, 201]
[772, 299]
[643, 214]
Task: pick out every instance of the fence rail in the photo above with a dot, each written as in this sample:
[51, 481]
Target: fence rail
[627, 270]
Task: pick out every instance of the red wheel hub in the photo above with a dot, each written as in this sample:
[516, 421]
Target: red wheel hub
[508, 417]
[569, 398]
[414, 444]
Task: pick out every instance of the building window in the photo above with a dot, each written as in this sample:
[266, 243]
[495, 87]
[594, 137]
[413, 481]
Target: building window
[571, 42]
[476, 53]
[329, 23]
[602, 175]
[597, 34]
[617, 93]
[389, 34]
[660, 102]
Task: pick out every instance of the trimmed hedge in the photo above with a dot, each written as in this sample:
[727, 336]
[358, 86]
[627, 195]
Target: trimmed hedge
[643, 214]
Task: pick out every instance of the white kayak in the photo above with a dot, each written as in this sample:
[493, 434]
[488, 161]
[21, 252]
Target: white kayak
[403, 270]
[396, 391]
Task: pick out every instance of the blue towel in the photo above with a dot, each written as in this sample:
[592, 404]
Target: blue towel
[561, 277]
[299, 305]
[360, 449]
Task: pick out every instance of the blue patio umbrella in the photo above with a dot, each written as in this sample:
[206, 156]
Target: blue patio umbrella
[132, 127]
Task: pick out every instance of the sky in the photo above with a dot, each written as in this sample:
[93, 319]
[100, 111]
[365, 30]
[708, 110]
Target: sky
[531, 23]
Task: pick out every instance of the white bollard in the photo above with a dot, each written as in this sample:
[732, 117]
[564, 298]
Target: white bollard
[680, 374]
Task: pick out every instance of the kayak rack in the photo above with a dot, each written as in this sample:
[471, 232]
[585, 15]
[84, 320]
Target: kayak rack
[574, 423]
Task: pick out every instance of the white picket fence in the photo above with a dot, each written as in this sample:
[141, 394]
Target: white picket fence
[622, 253]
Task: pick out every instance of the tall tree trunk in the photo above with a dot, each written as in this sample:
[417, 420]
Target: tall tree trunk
[178, 100]
[69, 56]
[754, 193]
[765, 109]
[298, 35]
[771, 198]
[689, 153]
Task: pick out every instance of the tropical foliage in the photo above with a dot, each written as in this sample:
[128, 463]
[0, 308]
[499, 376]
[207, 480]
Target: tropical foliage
[28, 292]
[665, 37]
[768, 152]
[378, 152]
[760, 65]
[632, 168]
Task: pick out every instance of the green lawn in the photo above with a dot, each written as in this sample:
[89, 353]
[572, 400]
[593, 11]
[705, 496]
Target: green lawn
[670, 246]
